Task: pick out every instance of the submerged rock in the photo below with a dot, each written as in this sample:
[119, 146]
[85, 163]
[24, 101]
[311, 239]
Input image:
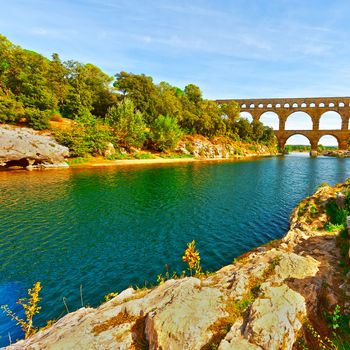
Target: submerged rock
[27, 148]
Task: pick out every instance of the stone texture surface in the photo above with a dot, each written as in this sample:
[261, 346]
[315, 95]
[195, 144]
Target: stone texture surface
[275, 317]
[27, 147]
[219, 148]
[291, 265]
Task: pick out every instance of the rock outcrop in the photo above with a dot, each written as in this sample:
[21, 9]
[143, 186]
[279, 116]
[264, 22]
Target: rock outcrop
[221, 147]
[28, 148]
[260, 302]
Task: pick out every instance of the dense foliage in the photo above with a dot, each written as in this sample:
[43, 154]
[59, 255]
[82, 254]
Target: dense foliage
[307, 148]
[129, 110]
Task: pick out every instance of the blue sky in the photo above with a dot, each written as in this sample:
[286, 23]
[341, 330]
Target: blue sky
[231, 49]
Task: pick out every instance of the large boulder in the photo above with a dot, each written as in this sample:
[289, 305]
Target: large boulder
[275, 318]
[26, 147]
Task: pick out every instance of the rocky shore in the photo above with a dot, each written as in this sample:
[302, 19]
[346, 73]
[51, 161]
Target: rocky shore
[336, 153]
[221, 148]
[273, 297]
[22, 147]
[27, 148]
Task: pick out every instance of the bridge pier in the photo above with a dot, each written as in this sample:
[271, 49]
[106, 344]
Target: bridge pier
[344, 123]
[343, 145]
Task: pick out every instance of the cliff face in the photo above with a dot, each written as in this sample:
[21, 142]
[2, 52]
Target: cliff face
[264, 300]
[28, 148]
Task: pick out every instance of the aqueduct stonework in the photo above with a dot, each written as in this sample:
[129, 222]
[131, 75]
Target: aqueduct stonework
[314, 107]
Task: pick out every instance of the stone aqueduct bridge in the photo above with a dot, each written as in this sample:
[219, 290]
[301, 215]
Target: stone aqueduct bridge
[314, 107]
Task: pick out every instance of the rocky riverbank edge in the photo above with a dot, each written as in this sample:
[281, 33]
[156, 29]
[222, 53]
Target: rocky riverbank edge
[273, 297]
[335, 153]
[25, 148]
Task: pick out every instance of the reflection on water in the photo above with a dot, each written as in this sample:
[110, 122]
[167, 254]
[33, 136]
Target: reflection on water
[112, 227]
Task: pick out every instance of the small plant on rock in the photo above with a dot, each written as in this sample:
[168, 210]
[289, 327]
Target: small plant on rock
[110, 296]
[192, 258]
[31, 307]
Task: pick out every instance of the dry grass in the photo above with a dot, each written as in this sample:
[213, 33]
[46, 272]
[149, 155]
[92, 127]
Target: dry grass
[115, 321]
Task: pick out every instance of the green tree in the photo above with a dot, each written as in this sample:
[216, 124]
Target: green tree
[210, 122]
[58, 82]
[168, 100]
[193, 93]
[141, 90]
[99, 85]
[11, 111]
[244, 129]
[127, 123]
[231, 110]
[165, 133]
[258, 130]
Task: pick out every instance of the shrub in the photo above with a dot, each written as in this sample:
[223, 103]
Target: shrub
[87, 136]
[165, 133]
[37, 119]
[11, 111]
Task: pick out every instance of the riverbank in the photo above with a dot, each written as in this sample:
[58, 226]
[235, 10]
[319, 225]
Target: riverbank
[102, 162]
[273, 297]
[25, 148]
[335, 153]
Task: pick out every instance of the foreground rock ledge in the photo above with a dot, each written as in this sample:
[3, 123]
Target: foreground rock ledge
[28, 148]
[259, 302]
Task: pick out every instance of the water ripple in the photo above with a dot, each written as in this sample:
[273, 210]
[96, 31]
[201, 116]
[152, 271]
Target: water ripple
[106, 229]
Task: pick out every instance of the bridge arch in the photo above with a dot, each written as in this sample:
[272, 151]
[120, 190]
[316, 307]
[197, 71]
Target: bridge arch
[246, 115]
[330, 120]
[298, 120]
[270, 119]
[297, 138]
[328, 140]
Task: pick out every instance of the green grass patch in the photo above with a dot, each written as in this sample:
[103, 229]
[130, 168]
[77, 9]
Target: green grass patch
[137, 155]
[78, 160]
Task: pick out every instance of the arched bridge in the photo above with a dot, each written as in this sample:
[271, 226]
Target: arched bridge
[315, 107]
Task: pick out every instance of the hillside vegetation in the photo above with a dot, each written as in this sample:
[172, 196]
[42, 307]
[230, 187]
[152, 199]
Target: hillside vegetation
[127, 110]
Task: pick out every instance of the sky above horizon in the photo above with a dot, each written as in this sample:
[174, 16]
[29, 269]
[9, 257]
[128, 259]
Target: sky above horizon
[230, 49]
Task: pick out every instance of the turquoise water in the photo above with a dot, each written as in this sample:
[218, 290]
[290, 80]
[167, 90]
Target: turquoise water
[107, 229]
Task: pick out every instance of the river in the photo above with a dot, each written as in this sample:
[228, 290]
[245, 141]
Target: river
[106, 229]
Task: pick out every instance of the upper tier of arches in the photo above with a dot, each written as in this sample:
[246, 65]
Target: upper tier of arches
[298, 120]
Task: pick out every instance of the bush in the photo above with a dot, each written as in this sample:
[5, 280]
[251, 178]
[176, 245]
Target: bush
[165, 133]
[87, 136]
[335, 214]
[11, 111]
[37, 119]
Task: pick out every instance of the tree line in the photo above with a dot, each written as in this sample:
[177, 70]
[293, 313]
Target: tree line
[129, 110]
